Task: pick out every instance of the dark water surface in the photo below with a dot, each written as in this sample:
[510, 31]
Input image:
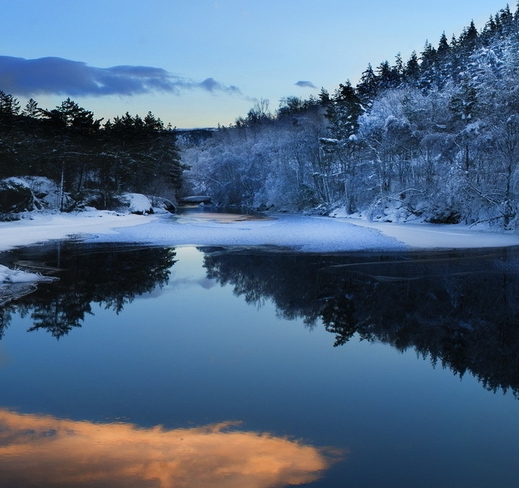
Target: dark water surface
[210, 367]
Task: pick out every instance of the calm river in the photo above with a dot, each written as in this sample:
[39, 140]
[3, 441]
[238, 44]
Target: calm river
[211, 367]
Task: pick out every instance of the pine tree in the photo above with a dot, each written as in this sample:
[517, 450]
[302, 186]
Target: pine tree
[469, 37]
[428, 66]
[412, 69]
[367, 88]
[31, 109]
[387, 76]
[344, 112]
[9, 106]
[443, 46]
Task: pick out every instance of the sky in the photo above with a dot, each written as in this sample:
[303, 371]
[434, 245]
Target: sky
[200, 63]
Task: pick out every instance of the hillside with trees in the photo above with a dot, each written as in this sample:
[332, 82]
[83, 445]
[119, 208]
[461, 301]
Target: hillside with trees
[91, 163]
[434, 137]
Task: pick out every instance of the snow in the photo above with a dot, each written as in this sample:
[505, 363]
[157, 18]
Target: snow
[311, 234]
[434, 236]
[8, 275]
[137, 203]
[41, 227]
[305, 233]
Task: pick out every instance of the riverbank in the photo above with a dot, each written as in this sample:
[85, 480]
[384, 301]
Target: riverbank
[37, 228]
[304, 233]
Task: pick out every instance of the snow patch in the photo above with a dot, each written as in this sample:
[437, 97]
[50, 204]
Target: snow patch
[137, 203]
[304, 233]
[8, 275]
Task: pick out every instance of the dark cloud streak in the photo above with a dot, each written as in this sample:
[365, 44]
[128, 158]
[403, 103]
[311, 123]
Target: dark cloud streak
[52, 75]
[305, 84]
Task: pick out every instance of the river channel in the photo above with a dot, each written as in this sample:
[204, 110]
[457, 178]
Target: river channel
[148, 366]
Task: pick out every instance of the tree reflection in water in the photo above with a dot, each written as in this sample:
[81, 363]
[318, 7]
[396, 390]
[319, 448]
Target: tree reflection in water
[107, 276]
[458, 309]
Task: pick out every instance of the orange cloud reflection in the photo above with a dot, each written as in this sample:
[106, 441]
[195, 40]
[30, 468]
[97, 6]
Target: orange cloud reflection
[45, 451]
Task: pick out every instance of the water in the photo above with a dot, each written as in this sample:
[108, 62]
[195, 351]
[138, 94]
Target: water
[247, 367]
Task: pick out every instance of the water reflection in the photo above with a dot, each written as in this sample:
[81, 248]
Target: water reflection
[87, 275]
[39, 450]
[461, 310]
[458, 309]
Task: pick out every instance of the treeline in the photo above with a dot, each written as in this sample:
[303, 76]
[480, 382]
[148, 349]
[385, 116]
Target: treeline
[434, 137]
[85, 157]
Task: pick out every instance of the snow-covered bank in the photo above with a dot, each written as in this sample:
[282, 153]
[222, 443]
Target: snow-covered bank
[41, 228]
[9, 276]
[311, 234]
[15, 283]
[436, 236]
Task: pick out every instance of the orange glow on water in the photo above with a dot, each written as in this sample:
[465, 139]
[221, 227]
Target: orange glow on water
[46, 451]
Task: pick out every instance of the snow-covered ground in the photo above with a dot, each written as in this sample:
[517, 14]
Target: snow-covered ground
[10, 276]
[434, 236]
[306, 233]
[40, 228]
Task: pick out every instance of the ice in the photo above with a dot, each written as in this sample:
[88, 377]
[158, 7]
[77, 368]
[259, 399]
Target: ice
[311, 234]
[435, 236]
[8, 275]
[41, 227]
[304, 233]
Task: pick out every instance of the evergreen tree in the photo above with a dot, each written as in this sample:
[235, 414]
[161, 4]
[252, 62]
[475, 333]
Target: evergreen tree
[31, 109]
[443, 46]
[387, 76]
[368, 87]
[344, 112]
[469, 37]
[9, 107]
[428, 66]
[412, 69]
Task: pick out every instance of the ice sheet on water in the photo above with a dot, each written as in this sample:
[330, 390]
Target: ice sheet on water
[311, 234]
[305, 233]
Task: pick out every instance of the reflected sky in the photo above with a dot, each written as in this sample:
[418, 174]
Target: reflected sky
[41, 450]
[219, 335]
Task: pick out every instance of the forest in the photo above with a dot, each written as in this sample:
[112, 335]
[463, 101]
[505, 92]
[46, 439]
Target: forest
[91, 162]
[433, 138]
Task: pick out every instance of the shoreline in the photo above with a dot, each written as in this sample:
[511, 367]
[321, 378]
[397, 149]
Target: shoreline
[442, 236]
[294, 231]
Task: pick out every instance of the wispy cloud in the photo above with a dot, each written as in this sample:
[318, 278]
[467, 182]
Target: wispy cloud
[305, 84]
[210, 84]
[52, 75]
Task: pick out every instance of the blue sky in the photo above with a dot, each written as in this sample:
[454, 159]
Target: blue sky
[197, 63]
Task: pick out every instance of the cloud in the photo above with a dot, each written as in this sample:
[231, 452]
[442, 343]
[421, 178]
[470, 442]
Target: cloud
[210, 84]
[305, 84]
[51, 75]
[43, 450]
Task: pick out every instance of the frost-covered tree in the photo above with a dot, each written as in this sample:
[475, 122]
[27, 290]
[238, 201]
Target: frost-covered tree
[434, 138]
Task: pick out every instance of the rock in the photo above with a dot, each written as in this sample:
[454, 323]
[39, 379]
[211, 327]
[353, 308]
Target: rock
[15, 196]
[46, 193]
[137, 203]
[447, 216]
[28, 193]
[162, 204]
[196, 199]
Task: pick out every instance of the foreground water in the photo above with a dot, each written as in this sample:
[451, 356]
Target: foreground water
[219, 367]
